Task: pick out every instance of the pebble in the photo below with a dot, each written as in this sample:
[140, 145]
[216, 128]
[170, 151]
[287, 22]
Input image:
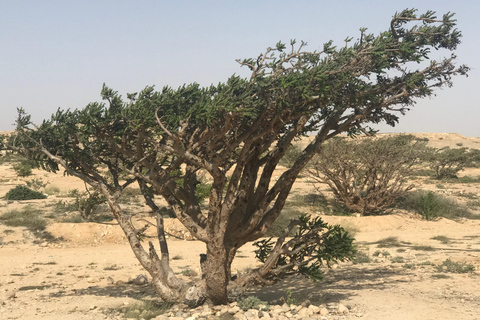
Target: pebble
[342, 308]
[332, 311]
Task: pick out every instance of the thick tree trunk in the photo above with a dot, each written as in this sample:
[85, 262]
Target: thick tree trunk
[218, 271]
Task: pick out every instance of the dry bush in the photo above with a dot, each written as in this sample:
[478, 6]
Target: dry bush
[368, 175]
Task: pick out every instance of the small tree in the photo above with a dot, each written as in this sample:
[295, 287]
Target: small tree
[367, 175]
[235, 134]
[23, 168]
[446, 162]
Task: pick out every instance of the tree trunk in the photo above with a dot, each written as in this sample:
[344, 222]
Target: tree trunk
[218, 271]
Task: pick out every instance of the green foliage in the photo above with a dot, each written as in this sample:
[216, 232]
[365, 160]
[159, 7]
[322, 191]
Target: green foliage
[52, 190]
[291, 155]
[289, 298]
[446, 162]
[361, 257]
[76, 218]
[378, 252]
[317, 202]
[130, 195]
[473, 204]
[252, 302]
[27, 217]
[203, 191]
[331, 244]
[36, 184]
[145, 309]
[455, 267]
[241, 128]
[397, 259]
[23, 193]
[64, 206]
[282, 222]
[6, 156]
[431, 205]
[467, 179]
[367, 176]
[23, 169]
[89, 205]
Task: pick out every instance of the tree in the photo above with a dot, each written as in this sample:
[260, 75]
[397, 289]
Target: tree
[235, 133]
[446, 162]
[367, 176]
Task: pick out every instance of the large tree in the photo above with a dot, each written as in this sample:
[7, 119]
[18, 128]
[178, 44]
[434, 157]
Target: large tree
[234, 134]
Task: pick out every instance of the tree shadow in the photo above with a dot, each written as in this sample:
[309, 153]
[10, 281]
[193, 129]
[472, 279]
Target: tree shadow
[337, 285]
[116, 291]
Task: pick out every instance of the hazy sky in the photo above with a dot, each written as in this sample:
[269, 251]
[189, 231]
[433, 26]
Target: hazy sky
[57, 54]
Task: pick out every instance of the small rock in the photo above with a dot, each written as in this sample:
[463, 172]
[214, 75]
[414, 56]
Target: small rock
[314, 309]
[323, 311]
[285, 307]
[140, 280]
[11, 295]
[342, 308]
[251, 314]
[93, 280]
[303, 313]
[110, 280]
[233, 310]
[240, 316]
[306, 303]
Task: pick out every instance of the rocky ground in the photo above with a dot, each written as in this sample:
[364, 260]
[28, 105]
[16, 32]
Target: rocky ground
[407, 268]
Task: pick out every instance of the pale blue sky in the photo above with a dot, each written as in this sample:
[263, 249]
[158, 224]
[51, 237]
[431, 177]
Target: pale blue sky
[57, 54]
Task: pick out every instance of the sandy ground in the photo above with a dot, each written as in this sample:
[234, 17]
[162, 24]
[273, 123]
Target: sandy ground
[87, 274]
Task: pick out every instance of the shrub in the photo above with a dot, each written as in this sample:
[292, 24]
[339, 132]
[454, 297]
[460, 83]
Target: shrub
[145, 310]
[431, 205]
[361, 257]
[23, 193]
[77, 218]
[442, 239]
[398, 259]
[378, 252]
[23, 169]
[282, 222]
[252, 302]
[28, 217]
[129, 195]
[90, 207]
[446, 162]
[423, 248]
[367, 176]
[388, 242]
[455, 267]
[291, 155]
[36, 184]
[52, 190]
[319, 203]
[64, 206]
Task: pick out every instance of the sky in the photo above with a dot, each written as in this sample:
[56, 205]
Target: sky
[58, 54]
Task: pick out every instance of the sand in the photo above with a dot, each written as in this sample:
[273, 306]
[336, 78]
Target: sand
[86, 275]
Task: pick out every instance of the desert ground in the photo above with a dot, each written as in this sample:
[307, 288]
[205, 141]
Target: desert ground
[87, 271]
